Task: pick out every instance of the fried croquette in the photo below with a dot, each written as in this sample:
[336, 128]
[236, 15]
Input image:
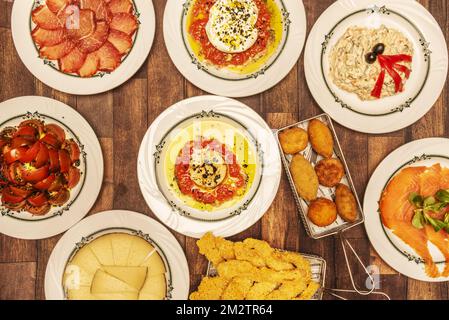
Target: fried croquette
[329, 172]
[321, 139]
[304, 178]
[262, 273]
[293, 140]
[322, 212]
[346, 203]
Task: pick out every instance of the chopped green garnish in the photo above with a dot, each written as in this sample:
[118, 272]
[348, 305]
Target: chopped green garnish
[418, 220]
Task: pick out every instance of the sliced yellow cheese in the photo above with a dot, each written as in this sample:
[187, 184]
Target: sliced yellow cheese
[102, 249]
[82, 293]
[121, 244]
[85, 259]
[139, 251]
[155, 288]
[117, 296]
[155, 264]
[75, 277]
[105, 283]
[134, 276]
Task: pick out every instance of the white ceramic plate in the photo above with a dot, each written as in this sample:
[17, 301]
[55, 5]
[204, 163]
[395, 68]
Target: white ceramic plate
[23, 225]
[184, 219]
[47, 71]
[224, 83]
[429, 67]
[120, 221]
[391, 249]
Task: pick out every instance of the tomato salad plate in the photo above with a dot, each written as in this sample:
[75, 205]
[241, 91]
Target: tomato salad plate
[407, 210]
[51, 167]
[209, 164]
[83, 46]
[117, 255]
[234, 48]
[376, 66]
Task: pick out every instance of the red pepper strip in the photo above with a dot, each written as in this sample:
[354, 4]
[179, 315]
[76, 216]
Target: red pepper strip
[384, 63]
[398, 58]
[377, 91]
[402, 69]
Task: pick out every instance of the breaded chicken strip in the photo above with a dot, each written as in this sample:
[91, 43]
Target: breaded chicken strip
[236, 268]
[260, 290]
[210, 289]
[288, 290]
[216, 249]
[237, 289]
[310, 291]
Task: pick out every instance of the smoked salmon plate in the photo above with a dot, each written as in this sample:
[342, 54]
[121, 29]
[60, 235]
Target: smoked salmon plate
[84, 38]
[414, 206]
[39, 166]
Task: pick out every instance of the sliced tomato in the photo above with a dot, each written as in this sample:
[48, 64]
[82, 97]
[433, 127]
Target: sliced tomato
[46, 183]
[42, 157]
[57, 184]
[72, 147]
[224, 193]
[9, 197]
[51, 140]
[56, 131]
[31, 153]
[26, 131]
[60, 197]
[35, 175]
[21, 142]
[54, 159]
[36, 124]
[38, 199]
[13, 155]
[234, 170]
[21, 191]
[15, 173]
[64, 161]
[73, 177]
[39, 211]
[15, 206]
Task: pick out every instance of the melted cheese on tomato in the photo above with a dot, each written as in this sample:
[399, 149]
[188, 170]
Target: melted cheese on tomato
[232, 25]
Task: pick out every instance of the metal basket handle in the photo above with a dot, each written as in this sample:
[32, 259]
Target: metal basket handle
[345, 242]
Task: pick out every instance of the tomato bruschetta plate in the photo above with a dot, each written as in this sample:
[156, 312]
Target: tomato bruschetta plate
[83, 46]
[52, 167]
[209, 164]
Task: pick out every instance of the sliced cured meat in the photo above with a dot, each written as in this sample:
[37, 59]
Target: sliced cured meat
[118, 6]
[99, 7]
[96, 40]
[57, 5]
[121, 41]
[58, 51]
[109, 57]
[83, 27]
[124, 22]
[44, 37]
[44, 18]
[73, 61]
[90, 66]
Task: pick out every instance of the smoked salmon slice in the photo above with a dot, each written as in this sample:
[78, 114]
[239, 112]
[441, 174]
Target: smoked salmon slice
[397, 212]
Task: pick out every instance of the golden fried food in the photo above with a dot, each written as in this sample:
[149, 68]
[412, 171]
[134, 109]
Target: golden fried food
[304, 178]
[321, 139]
[216, 249]
[329, 172]
[257, 272]
[346, 203]
[293, 140]
[322, 212]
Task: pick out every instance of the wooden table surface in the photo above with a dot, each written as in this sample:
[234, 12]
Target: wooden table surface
[121, 117]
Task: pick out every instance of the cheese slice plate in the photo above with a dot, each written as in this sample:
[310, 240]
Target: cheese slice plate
[117, 255]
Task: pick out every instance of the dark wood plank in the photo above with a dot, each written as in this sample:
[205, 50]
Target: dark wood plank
[5, 13]
[17, 281]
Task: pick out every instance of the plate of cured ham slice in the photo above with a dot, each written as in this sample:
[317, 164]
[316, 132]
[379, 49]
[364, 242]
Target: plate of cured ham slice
[83, 46]
[407, 210]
